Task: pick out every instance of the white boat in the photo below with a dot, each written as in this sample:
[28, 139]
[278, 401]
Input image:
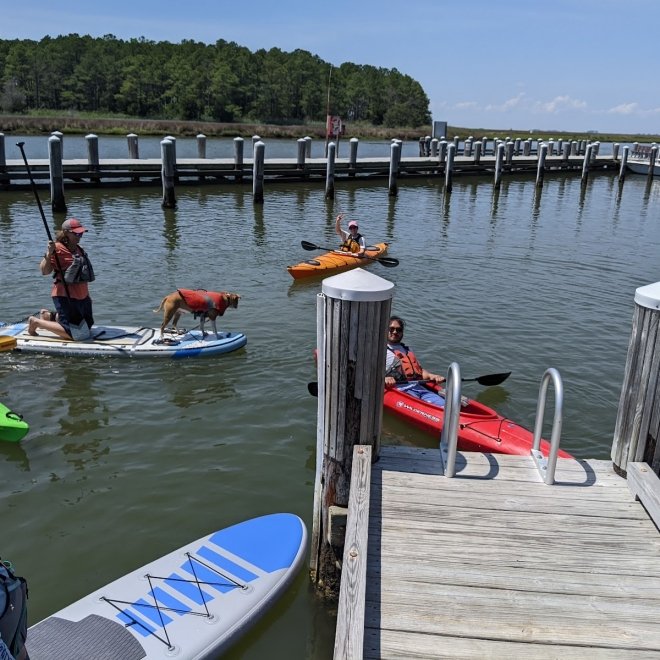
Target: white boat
[639, 160]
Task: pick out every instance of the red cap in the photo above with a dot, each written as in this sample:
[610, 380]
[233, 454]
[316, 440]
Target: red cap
[73, 225]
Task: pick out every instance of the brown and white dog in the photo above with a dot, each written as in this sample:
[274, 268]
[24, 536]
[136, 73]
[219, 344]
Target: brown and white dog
[203, 304]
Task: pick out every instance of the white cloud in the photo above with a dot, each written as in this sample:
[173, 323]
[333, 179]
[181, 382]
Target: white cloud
[560, 103]
[624, 109]
[466, 105]
[509, 104]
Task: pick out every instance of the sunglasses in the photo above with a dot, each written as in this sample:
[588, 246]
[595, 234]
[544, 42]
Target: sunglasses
[395, 329]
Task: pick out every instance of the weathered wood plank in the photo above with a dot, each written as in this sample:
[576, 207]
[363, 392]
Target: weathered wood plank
[645, 485]
[350, 619]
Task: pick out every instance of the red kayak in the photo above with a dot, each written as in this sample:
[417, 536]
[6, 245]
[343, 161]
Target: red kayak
[480, 428]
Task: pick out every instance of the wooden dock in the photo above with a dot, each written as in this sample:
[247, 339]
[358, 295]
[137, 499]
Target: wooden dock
[147, 171]
[493, 563]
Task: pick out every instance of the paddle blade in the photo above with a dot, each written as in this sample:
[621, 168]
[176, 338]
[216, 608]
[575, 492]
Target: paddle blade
[388, 262]
[306, 245]
[491, 379]
[7, 343]
[313, 388]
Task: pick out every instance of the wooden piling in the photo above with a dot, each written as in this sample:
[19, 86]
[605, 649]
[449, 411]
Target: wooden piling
[527, 147]
[508, 147]
[238, 158]
[258, 172]
[352, 156]
[133, 150]
[308, 146]
[201, 145]
[652, 158]
[60, 136]
[330, 171]
[434, 147]
[540, 168]
[93, 156]
[4, 179]
[167, 173]
[451, 152]
[421, 147]
[300, 158]
[585, 163]
[499, 158]
[57, 202]
[477, 152]
[353, 310]
[395, 158]
[442, 152]
[624, 163]
[615, 150]
[637, 428]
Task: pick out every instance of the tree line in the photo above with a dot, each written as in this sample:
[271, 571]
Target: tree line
[191, 80]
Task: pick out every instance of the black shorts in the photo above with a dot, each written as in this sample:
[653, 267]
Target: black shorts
[73, 311]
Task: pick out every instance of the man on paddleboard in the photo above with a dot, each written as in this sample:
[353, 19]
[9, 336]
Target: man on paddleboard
[403, 370]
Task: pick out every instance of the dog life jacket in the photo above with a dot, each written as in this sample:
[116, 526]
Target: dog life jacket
[412, 369]
[351, 244]
[201, 301]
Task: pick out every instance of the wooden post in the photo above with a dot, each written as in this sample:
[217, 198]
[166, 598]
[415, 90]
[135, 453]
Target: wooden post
[540, 169]
[238, 158]
[4, 178]
[56, 175]
[508, 146]
[352, 156]
[434, 148]
[499, 157]
[527, 147]
[568, 146]
[201, 145]
[421, 147]
[330, 171]
[255, 139]
[652, 158]
[637, 428]
[477, 152]
[624, 163]
[133, 150]
[551, 147]
[574, 148]
[167, 173]
[172, 139]
[451, 151]
[585, 164]
[615, 151]
[308, 146]
[442, 152]
[258, 172]
[60, 136]
[302, 146]
[467, 147]
[395, 158]
[353, 310]
[427, 146]
[516, 146]
[93, 157]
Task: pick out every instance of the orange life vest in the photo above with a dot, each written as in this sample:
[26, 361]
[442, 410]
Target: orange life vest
[351, 244]
[412, 369]
[200, 300]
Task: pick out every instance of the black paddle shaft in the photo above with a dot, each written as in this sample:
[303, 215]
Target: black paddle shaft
[388, 262]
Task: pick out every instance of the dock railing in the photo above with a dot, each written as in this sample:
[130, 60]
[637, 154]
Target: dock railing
[546, 466]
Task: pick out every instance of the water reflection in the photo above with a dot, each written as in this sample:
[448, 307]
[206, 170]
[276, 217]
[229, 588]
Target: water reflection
[170, 229]
[194, 384]
[259, 226]
[13, 452]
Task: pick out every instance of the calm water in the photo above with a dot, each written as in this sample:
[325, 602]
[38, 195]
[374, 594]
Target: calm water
[128, 460]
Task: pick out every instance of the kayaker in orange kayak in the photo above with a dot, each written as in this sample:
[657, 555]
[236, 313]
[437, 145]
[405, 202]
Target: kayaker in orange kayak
[403, 370]
[352, 241]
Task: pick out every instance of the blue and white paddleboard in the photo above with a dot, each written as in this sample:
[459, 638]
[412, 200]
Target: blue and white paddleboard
[127, 342]
[191, 603]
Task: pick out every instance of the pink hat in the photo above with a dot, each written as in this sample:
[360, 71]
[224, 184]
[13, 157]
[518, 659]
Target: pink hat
[73, 225]
[353, 223]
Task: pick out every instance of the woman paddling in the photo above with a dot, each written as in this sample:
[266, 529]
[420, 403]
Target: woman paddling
[71, 270]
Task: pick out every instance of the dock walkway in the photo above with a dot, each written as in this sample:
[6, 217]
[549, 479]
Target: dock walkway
[493, 563]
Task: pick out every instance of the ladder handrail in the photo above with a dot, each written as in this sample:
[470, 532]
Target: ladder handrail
[449, 435]
[547, 466]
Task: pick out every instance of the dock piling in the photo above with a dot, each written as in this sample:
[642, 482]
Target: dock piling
[168, 173]
[540, 170]
[258, 172]
[624, 163]
[395, 157]
[238, 158]
[499, 158]
[93, 156]
[133, 150]
[4, 179]
[57, 202]
[451, 151]
[352, 156]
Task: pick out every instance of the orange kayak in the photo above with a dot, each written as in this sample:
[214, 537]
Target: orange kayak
[335, 261]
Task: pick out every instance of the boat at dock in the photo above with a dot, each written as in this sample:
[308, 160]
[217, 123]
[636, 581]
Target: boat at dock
[336, 261]
[639, 161]
[480, 428]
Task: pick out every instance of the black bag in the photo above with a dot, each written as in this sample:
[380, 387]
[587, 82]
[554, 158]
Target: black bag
[13, 609]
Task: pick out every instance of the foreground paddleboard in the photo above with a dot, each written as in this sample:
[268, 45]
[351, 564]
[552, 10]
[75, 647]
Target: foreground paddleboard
[12, 426]
[191, 603]
[127, 342]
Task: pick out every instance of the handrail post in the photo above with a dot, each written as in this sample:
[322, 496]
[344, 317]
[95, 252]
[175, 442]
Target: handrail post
[449, 435]
[546, 467]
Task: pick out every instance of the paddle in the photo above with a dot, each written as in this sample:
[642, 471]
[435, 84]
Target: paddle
[488, 380]
[388, 262]
[58, 266]
[7, 343]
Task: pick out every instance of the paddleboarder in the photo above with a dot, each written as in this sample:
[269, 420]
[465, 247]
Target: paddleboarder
[352, 240]
[72, 271]
[403, 370]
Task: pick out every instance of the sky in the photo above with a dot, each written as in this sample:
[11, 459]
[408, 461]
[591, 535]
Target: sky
[568, 65]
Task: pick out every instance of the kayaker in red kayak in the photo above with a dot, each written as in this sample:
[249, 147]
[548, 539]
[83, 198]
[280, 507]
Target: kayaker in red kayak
[403, 370]
[352, 241]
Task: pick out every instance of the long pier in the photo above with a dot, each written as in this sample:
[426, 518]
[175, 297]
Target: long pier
[495, 563]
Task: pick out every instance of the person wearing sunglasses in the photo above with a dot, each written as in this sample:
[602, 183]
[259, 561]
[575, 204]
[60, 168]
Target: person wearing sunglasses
[72, 271]
[352, 240]
[403, 370]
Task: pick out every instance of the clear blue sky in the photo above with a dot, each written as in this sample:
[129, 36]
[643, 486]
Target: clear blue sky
[526, 64]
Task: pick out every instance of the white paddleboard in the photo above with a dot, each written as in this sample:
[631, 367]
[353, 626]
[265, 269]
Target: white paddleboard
[127, 342]
[191, 603]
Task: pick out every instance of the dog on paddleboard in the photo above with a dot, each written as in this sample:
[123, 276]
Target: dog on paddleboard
[202, 303]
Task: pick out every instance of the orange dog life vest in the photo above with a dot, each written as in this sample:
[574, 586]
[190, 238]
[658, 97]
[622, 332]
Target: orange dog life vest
[201, 301]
